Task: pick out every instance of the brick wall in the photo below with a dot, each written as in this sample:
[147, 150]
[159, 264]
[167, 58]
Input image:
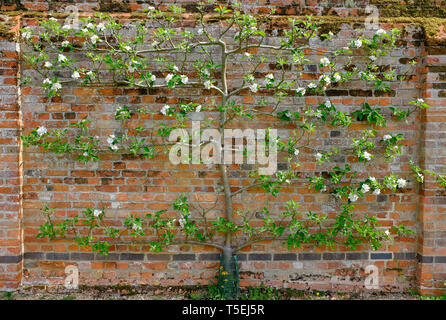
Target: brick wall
[124, 184]
[10, 173]
[432, 219]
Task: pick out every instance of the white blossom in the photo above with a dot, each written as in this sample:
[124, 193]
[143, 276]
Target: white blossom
[75, 75]
[56, 86]
[66, 27]
[90, 74]
[206, 72]
[420, 176]
[41, 131]
[325, 62]
[151, 8]
[114, 147]
[85, 154]
[296, 152]
[373, 179]
[420, 101]
[247, 55]
[165, 109]
[48, 64]
[401, 183]
[65, 43]
[387, 232]
[182, 221]
[47, 81]
[254, 87]
[153, 78]
[184, 79]
[61, 58]
[381, 32]
[207, 84]
[325, 78]
[175, 68]
[169, 77]
[268, 78]
[26, 34]
[337, 77]
[366, 155]
[200, 31]
[301, 91]
[100, 27]
[90, 25]
[97, 213]
[318, 114]
[357, 43]
[376, 192]
[312, 85]
[387, 137]
[353, 197]
[94, 38]
[127, 48]
[328, 104]
[365, 188]
[373, 58]
[198, 108]
[111, 139]
[318, 156]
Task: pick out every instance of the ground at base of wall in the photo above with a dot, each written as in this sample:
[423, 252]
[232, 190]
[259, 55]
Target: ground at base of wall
[195, 293]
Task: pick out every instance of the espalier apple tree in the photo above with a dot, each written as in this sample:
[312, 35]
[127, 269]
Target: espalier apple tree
[153, 53]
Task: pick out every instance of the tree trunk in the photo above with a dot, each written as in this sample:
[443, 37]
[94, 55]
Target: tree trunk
[228, 275]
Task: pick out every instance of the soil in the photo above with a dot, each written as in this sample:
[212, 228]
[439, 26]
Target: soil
[177, 293]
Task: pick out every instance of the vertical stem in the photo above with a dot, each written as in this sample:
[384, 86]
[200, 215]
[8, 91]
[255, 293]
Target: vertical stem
[222, 166]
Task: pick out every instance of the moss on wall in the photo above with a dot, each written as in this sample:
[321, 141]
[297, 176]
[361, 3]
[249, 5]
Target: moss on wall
[114, 6]
[411, 8]
[7, 24]
[17, 3]
[431, 29]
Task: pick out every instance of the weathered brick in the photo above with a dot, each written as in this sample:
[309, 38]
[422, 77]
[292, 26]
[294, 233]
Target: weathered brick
[57, 256]
[357, 256]
[309, 256]
[81, 256]
[158, 257]
[259, 256]
[285, 257]
[333, 256]
[131, 256]
[10, 259]
[381, 256]
[184, 257]
[209, 257]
